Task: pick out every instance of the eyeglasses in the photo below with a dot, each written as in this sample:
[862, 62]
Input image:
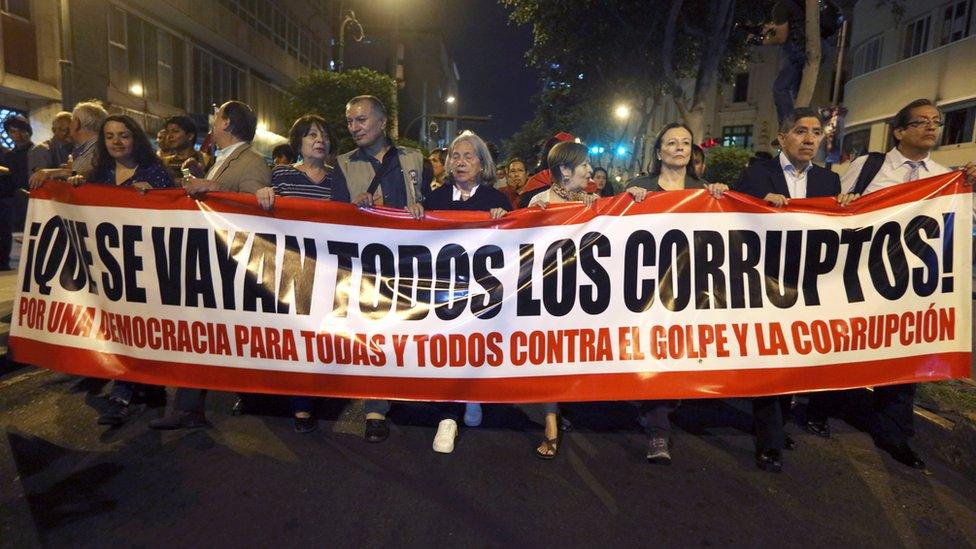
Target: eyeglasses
[925, 122]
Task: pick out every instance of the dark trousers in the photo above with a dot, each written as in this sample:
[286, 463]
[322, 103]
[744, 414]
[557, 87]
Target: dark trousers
[769, 415]
[655, 417]
[449, 410]
[893, 421]
[191, 401]
[823, 404]
[6, 230]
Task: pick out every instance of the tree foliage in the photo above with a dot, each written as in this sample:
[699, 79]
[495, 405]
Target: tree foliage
[326, 93]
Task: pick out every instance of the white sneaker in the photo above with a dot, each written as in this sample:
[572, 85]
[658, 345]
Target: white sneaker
[447, 431]
[472, 414]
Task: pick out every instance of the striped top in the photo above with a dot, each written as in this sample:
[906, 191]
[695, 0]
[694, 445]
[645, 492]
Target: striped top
[287, 180]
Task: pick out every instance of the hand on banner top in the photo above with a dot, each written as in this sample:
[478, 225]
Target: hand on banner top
[716, 189]
[496, 213]
[844, 199]
[589, 199]
[416, 211]
[777, 200]
[196, 188]
[142, 186]
[363, 200]
[266, 198]
[639, 193]
[970, 171]
[76, 180]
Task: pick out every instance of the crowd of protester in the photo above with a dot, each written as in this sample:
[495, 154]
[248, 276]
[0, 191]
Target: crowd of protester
[90, 147]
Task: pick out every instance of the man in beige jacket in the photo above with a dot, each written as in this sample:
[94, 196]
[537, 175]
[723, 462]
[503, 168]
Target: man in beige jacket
[237, 168]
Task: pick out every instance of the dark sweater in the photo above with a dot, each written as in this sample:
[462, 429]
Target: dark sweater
[485, 199]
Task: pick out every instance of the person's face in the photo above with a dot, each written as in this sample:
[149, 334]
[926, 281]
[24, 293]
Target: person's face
[465, 164]
[578, 177]
[698, 161]
[315, 144]
[600, 178]
[61, 129]
[281, 160]
[220, 125]
[801, 142]
[176, 138]
[516, 175]
[74, 128]
[18, 136]
[162, 138]
[922, 130]
[501, 173]
[365, 124]
[675, 150]
[118, 140]
[435, 161]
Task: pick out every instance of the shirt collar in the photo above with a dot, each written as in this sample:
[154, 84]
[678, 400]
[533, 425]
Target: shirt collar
[790, 168]
[898, 160]
[227, 150]
[88, 144]
[456, 192]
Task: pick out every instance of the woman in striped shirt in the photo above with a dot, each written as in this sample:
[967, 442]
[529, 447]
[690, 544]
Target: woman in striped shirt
[310, 177]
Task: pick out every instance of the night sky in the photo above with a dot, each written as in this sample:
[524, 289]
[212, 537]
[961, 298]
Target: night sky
[490, 57]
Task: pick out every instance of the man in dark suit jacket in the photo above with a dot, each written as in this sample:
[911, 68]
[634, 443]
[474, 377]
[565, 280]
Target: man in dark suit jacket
[791, 174]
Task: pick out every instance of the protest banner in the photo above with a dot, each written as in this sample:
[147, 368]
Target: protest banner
[680, 296]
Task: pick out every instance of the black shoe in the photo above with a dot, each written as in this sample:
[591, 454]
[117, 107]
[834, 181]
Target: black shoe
[770, 460]
[305, 424]
[179, 420]
[904, 454]
[819, 428]
[118, 412]
[238, 408]
[789, 443]
[155, 397]
[376, 430]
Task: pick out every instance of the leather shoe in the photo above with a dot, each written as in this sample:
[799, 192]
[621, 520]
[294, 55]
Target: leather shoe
[770, 460]
[789, 443]
[903, 454]
[819, 428]
[186, 420]
[376, 430]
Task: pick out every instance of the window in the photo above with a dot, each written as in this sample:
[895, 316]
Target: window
[216, 81]
[737, 136]
[868, 56]
[855, 144]
[20, 8]
[118, 58]
[740, 89]
[955, 22]
[916, 37]
[958, 125]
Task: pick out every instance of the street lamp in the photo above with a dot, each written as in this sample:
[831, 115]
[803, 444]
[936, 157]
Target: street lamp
[622, 112]
[348, 19]
[450, 99]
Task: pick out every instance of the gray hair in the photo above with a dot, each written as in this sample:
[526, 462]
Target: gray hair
[91, 114]
[487, 175]
[374, 102]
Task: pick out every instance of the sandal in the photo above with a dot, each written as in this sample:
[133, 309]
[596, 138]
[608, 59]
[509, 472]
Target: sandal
[548, 449]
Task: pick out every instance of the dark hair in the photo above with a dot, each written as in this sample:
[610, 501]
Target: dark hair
[803, 112]
[904, 116]
[601, 170]
[142, 150]
[656, 162]
[300, 129]
[565, 153]
[441, 154]
[285, 150]
[243, 121]
[185, 123]
[696, 150]
[374, 102]
[19, 122]
[513, 160]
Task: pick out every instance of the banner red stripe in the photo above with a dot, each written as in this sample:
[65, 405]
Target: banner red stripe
[568, 388]
[564, 214]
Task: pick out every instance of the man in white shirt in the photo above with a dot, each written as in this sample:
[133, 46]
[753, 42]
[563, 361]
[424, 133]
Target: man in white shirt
[916, 130]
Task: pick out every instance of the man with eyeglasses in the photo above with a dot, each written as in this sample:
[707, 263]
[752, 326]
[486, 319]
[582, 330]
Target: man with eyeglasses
[915, 129]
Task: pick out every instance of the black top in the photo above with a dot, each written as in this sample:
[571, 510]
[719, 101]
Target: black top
[16, 161]
[650, 182]
[485, 198]
[767, 177]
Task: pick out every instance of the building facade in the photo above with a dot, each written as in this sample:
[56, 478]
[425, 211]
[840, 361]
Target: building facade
[928, 51]
[154, 59]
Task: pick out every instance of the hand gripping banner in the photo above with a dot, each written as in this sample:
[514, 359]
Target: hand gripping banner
[680, 296]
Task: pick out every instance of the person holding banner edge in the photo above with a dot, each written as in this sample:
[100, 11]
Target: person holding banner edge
[309, 178]
[469, 186]
[792, 174]
[124, 157]
[379, 172]
[915, 130]
[672, 169]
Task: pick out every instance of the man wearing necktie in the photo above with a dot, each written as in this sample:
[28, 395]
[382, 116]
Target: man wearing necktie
[915, 130]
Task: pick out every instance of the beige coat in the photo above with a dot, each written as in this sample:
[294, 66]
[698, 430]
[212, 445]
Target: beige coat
[244, 171]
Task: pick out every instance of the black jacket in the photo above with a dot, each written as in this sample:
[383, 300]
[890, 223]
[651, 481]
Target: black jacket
[767, 177]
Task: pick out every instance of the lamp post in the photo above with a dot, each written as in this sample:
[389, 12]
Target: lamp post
[348, 19]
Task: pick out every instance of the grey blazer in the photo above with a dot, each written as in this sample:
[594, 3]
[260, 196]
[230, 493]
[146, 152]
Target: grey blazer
[244, 171]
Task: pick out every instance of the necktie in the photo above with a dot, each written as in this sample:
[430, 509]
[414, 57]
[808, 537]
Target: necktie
[913, 170]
